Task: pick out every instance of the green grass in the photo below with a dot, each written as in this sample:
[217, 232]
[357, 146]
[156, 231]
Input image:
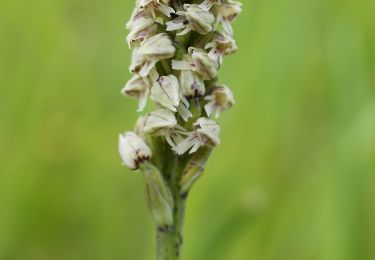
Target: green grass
[294, 177]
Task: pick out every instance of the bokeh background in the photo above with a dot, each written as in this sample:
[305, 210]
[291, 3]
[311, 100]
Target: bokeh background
[294, 177]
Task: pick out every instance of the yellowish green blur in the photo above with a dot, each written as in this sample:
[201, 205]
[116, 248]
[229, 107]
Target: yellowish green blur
[294, 177]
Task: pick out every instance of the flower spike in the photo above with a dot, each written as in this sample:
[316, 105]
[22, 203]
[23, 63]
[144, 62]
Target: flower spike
[178, 47]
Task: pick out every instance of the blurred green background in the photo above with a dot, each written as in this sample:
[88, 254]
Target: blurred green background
[293, 179]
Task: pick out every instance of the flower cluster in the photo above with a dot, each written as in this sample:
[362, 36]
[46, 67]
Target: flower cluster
[178, 47]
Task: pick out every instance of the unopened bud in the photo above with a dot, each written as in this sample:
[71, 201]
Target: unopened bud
[133, 150]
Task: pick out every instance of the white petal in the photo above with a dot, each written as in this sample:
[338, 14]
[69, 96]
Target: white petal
[186, 144]
[210, 107]
[184, 112]
[166, 92]
[147, 67]
[181, 65]
[165, 9]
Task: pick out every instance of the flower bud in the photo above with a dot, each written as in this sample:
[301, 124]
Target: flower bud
[194, 18]
[221, 45]
[227, 13]
[206, 134]
[220, 99]
[158, 196]
[166, 92]
[159, 120]
[150, 51]
[191, 85]
[138, 87]
[133, 150]
[198, 61]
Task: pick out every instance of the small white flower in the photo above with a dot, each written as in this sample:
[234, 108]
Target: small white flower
[227, 13]
[138, 87]
[150, 51]
[198, 61]
[163, 123]
[206, 134]
[166, 92]
[159, 120]
[191, 84]
[153, 5]
[220, 99]
[194, 18]
[207, 4]
[133, 150]
[222, 44]
[141, 26]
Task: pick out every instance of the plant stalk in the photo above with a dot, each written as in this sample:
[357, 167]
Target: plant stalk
[169, 239]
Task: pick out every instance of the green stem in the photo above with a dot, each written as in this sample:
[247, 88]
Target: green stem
[169, 239]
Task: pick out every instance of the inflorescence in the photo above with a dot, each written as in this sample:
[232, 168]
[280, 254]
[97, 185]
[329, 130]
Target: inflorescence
[178, 47]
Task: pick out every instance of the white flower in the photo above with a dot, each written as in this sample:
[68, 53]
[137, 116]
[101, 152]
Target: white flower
[133, 150]
[156, 5]
[198, 61]
[207, 4]
[141, 26]
[166, 92]
[206, 134]
[139, 87]
[150, 51]
[191, 84]
[220, 99]
[163, 123]
[227, 13]
[222, 44]
[194, 18]
[159, 120]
